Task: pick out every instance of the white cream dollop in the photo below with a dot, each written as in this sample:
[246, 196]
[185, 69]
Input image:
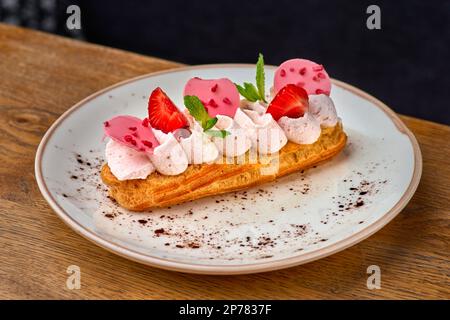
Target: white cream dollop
[322, 108]
[236, 143]
[197, 145]
[303, 130]
[265, 134]
[258, 106]
[169, 157]
[199, 148]
[126, 163]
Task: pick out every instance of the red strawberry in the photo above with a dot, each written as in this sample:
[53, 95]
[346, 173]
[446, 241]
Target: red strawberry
[163, 114]
[291, 101]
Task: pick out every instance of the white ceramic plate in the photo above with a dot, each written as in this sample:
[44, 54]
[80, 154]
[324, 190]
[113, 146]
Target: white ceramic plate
[299, 218]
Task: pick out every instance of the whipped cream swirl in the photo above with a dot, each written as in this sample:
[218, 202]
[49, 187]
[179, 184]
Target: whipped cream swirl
[265, 134]
[169, 157]
[236, 143]
[258, 106]
[126, 163]
[197, 145]
[322, 108]
[303, 130]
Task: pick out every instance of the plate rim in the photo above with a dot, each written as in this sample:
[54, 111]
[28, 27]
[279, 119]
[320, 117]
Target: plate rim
[263, 266]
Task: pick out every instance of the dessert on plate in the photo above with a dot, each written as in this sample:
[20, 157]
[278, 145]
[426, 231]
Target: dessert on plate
[227, 137]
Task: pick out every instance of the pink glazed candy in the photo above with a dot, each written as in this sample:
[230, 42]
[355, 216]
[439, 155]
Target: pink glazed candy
[131, 132]
[219, 96]
[304, 73]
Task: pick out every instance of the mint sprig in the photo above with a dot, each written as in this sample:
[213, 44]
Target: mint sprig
[248, 91]
[198, 111]
[217, 133]
[251, 92]
[209, 123]
[260, 77]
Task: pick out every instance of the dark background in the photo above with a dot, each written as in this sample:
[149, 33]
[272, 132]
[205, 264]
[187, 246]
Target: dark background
[405, 64]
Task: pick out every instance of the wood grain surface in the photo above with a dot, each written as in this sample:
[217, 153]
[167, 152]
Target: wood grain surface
[42, 75]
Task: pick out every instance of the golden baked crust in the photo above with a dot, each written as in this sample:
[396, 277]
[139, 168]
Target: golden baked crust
[204, 180]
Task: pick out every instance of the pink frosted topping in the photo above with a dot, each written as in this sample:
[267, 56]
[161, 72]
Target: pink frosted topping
[131, 132]
[304, 73]
[219, 96]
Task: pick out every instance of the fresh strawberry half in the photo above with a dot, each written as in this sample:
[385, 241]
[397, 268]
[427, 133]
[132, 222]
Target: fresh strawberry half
[291, 101]
[163, 114]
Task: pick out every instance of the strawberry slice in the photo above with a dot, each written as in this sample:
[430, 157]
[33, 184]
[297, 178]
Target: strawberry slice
[291, 101]
[163, 114]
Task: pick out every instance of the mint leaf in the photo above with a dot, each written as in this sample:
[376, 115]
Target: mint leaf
[196, 109]
[217, 133]
[210, 123]
[249, 91]
[260, 77]
[246, 94]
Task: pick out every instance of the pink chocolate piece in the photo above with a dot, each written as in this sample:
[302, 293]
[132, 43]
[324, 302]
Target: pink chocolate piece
[305, 73]
[131, 132]
[219, 96]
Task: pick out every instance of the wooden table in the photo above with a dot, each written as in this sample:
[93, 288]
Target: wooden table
[42, 75]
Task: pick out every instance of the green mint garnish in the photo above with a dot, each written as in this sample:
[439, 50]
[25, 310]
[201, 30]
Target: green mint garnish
[217, 133]
[260, 77]
[249, 91]
[210, 123]
[198, 111]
